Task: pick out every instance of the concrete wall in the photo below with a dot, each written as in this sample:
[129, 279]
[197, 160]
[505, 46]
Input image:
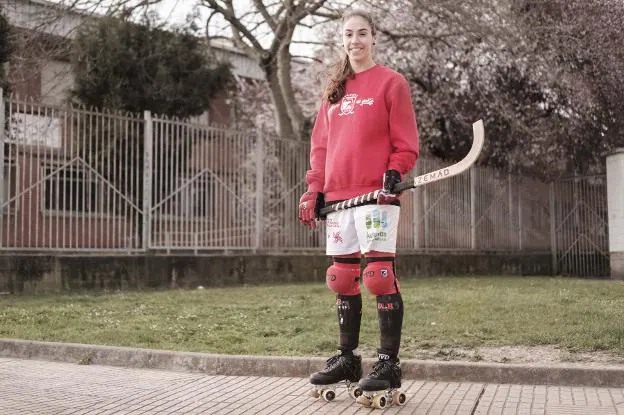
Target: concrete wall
[615, 204]
[41, 274]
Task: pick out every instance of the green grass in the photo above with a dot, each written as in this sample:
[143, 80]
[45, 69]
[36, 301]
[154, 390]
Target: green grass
[300, 320]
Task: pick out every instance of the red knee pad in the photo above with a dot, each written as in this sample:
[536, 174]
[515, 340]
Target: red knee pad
[379, 278]
[343, 279]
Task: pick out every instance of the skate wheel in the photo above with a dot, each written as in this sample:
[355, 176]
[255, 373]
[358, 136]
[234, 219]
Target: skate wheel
[329, 395]
[379, 402]
[399, 398]
[364, 400]
[355, 392]
[314, 393]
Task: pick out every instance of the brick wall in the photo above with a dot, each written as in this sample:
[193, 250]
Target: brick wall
[24, 76]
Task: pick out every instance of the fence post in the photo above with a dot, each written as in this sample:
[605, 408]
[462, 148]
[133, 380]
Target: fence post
[473, 209]
[148, 153]
[426, 240]
[416, 217]
[510, 207]
[259, 191]
[2, 201]
[553, 228]
[520, 225]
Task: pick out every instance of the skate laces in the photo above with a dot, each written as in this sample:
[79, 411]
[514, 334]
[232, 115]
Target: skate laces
[332, 362]
[380, 367]
[335, 360]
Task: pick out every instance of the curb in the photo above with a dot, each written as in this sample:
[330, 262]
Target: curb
[216, 364]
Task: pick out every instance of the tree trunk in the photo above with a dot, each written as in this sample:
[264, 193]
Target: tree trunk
[289, 130]
[285, 81]
[285, 128]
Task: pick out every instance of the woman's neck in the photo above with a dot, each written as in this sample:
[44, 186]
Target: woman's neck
[357, 67]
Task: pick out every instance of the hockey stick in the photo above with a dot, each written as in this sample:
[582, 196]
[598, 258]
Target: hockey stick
[478, 137]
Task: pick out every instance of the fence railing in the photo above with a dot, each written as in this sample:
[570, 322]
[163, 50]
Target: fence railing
[579, 237]
[75, 180]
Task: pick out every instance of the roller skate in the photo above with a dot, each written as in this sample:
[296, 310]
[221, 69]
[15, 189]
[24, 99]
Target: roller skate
[380, 389]
[343, 367]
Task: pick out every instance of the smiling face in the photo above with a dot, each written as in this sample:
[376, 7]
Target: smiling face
[357, 39]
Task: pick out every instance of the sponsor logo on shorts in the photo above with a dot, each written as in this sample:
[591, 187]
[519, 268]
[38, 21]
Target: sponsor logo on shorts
[333, 223]
[337, 237]
[376, 222]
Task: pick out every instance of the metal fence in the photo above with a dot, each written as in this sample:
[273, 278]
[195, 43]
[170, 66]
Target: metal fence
[79, 180]
[580, 238]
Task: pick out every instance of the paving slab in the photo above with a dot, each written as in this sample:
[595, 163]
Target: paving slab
[30, 386]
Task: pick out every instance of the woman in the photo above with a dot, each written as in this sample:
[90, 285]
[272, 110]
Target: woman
[365, 138]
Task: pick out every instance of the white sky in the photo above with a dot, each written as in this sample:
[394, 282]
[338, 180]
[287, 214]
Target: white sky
[175, 12]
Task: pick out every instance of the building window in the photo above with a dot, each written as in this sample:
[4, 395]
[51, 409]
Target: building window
[71, 189]
[197, 198]
[35, 130]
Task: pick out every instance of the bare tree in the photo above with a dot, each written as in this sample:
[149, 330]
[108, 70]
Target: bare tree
[543, 75]
[265, 33]
[582, 41]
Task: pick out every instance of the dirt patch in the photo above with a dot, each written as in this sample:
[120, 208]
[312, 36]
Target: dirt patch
[509, 354]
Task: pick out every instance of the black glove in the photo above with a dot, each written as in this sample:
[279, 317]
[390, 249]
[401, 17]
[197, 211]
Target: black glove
[387, 195]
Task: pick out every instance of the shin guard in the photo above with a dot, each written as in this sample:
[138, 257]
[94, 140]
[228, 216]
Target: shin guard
[349, 310]
[390, 313]
[343, 277]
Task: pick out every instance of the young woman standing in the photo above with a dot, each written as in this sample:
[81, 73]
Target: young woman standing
[365, 138]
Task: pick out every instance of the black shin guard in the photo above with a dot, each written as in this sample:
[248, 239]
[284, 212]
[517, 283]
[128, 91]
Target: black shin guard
[390, 312]
[349, 309]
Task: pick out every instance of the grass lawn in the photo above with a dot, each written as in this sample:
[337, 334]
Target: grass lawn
[442, 314]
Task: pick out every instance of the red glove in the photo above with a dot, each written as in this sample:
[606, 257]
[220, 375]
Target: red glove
[387, 196]
[309, 205]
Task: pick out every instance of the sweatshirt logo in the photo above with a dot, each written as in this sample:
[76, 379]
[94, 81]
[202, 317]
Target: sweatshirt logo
[349, 103]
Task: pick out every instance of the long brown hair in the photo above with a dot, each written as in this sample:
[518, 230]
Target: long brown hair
[340, 71]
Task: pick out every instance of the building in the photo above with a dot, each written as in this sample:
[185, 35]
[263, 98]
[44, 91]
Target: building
[75, 179]
[40, 68]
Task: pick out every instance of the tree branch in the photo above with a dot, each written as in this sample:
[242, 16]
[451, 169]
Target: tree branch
[266, 15]
[238, 28]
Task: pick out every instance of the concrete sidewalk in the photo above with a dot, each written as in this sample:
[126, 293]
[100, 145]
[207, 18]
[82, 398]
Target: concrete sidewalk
[62, 378]
[43, 387]
[300, 367]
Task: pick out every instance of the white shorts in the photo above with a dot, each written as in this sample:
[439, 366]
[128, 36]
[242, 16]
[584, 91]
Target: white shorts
[363, 228]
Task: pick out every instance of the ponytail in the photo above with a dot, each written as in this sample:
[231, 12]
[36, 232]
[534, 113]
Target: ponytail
[337, 80]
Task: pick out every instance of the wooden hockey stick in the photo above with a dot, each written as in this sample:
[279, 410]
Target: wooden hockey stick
[478, 137]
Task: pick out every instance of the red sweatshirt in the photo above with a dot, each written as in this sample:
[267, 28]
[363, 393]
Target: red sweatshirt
[371, 130]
